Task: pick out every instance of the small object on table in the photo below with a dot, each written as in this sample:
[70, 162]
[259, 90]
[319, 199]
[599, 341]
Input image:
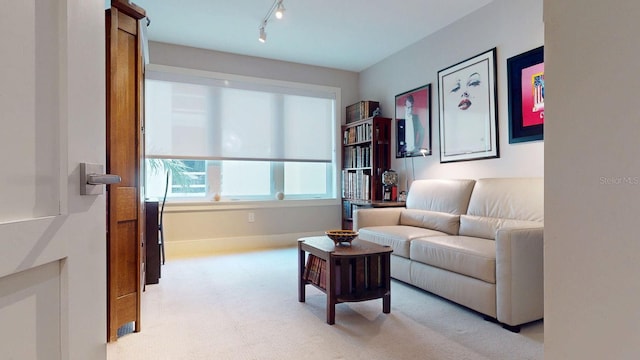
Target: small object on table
[341, 237]
[389, 185]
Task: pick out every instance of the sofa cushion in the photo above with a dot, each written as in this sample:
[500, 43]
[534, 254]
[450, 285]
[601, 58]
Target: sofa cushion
[471, 256]
[396, 236]
[486, 227]
[443, 195]
[440, 221]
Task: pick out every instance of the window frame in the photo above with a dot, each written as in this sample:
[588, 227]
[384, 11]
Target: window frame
[276, 167]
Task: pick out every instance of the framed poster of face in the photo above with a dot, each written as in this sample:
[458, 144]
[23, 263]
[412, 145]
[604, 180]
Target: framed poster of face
[468, 111]
[413, 122]
[526, 96]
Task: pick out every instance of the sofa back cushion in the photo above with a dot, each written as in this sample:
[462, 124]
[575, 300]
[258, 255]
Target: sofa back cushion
[508, 198]
[442, 195]
[445, 222]
[503, 202]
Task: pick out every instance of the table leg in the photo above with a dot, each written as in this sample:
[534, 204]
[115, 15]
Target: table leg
[386, 303]
[386, 298]
[331, 291]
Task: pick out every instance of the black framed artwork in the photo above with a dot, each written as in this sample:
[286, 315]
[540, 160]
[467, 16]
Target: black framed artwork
[468, 111]
[413, 122]
[526, 96]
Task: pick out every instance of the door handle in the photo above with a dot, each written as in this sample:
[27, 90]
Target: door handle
[92, 177]
[103, 179]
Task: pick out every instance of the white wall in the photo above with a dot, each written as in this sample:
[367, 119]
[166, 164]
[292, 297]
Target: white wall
[224, 227]
[592, 180]
[193, 58]
[513, 26]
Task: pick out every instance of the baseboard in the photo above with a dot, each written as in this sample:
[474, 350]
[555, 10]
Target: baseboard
[207, 247]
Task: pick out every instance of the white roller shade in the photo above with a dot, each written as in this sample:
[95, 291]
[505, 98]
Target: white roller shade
[200, 115]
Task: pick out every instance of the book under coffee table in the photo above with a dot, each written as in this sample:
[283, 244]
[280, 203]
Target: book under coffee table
[346, 273]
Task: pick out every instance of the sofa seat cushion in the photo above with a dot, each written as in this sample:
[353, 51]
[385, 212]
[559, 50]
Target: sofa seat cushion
[486, 227]
[397, 236]
[471, 256]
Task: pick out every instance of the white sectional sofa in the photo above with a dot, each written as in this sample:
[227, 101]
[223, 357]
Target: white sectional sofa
[478, 243]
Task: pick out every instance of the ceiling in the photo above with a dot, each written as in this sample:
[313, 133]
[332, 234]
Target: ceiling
[343, 34]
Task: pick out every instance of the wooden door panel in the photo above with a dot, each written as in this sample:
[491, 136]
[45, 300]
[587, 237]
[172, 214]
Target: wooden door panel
[124, 137]
[126, 261]
[127, 24]
[127, 307]
[124, 158]
[126, 204]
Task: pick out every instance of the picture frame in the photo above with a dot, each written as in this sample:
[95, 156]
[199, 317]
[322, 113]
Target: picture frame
[415, 103]
[467, 96]
[526, 96]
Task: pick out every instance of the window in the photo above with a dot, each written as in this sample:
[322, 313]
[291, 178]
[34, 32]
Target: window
[243, 138]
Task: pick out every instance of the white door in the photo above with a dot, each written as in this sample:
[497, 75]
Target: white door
[52, 239]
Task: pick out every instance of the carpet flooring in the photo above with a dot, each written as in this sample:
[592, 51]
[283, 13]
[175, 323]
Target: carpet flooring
[245, 306]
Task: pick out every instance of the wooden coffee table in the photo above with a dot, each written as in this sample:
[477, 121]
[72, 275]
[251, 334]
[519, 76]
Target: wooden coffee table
[345, 273]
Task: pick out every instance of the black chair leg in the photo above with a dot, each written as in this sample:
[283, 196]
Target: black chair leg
[161, 222]
[162, 245]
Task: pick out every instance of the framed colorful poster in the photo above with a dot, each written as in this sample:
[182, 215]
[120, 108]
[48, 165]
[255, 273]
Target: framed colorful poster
[526, 96]
[413, 122]
[468, 112]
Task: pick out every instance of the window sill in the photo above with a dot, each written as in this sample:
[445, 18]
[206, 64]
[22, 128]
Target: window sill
[201, 205]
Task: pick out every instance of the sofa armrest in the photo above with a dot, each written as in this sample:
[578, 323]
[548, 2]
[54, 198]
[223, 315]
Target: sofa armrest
[376, 217]
[519, 275]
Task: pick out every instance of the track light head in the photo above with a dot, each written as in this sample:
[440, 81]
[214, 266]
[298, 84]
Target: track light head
[263, 35]
[280, 10]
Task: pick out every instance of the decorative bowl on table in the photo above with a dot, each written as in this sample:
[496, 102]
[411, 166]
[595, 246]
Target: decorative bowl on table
[341, 237]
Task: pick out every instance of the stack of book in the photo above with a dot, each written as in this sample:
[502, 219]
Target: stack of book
[361, 110]
[356, 185]
[356, 134]
[357, 157]
[315, 272]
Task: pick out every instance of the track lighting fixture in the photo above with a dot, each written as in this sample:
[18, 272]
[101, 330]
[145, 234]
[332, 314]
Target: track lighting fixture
[263, 34]
[280, 10]
[276, 8]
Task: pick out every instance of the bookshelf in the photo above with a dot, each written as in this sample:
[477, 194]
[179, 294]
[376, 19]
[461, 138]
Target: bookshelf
[366, 149]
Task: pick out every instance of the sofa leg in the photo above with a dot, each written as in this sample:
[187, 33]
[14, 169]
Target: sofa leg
[491, 319]
[515, 329]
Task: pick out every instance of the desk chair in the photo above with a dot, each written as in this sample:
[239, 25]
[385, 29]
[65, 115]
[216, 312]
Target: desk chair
[160, 220]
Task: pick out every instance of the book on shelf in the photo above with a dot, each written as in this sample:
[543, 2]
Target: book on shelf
[356, 134]
[356, 184]
[323, 275]
[311, 269]
[316, 273]
[358, 157]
